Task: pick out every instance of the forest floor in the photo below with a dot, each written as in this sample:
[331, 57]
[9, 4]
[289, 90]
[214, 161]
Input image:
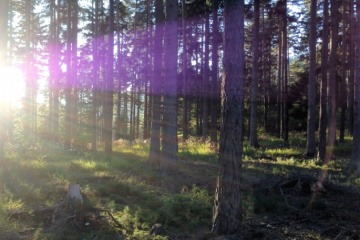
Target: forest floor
[126, 198]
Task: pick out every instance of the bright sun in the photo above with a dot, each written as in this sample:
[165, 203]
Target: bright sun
[12, 86]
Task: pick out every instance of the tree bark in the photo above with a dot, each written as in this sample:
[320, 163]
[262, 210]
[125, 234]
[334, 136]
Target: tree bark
[352, 68]
[215, 86]
[354, 165]
[155, 153]
[169, 134]
[254, 76]
[332, 81]
[342, 85]
[285, 103]
[324, 83]
[4, 9]
[310, 143]
[95, 71]
[185, 122]
[109, 88]
[227, 210]
[71, 73]
[206, 76]
[279, 95]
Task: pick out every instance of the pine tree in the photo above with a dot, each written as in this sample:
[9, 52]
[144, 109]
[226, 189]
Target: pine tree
[310, 147]
[227, 210]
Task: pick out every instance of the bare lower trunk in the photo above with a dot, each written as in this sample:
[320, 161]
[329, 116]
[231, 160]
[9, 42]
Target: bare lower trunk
[354, 165]
[310, 146]
[254, 77]
[228, 212]
[324, 79]
[169, 134]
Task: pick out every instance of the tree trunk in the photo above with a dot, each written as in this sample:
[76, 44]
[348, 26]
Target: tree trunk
[280, 80]
[332, 81]
[342, 84]
[324, 83]
[352, 68]
[148, 69]
[119, 64]
[57, 76]
[154, 157]
[227, 210]
[215, 86]
[109, 88]
[285, 103]
[254, 76]
[74, 71]
[206, 76]
[70, 81]
[354, 165]
[268, 75]
[4, 7]
[29, 75]
[311, 121]
[95, 71]
[185, 122]
[169, 137]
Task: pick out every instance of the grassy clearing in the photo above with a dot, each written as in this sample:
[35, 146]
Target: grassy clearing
[135, 193]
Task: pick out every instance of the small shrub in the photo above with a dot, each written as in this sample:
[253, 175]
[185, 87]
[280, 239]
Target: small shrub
[191, 208]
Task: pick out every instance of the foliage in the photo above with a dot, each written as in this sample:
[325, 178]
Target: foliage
[135, 193]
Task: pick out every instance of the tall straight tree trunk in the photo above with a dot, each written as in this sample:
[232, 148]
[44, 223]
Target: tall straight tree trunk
[311, 116]
[354, 165]
[54, 73]
[342, 84]
[169, 137]
[132, 113]
[185, 126]
[280, 80]
[74, 60]
[57, 75]
[147, 109]
[215, 86]
[332, 80]
[95, 71]
[125, 114]
[51, 80]
[109, 85]
[119, 84]
[155, 153]
[138, 107]
[255, 76]
[28, 103]
[324, 82]
[4, 10]
[228, 212]
[285, 108]
[352, 68]
[267, 77]
[69, 81]
[206, 80]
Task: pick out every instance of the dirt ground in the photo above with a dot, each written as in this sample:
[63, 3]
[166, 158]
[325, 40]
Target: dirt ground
[289, 206]
[276, 206]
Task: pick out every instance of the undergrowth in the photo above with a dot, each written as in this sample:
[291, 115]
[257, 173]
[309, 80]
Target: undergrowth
[132, 190]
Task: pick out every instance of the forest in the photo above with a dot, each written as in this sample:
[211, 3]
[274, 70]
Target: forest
[179, 119]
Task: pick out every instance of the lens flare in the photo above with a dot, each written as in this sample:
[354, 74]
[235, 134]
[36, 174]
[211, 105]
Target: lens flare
[12, 86]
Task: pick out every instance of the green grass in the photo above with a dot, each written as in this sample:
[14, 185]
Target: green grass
[197, 150]
[127, 186]
[132, 190]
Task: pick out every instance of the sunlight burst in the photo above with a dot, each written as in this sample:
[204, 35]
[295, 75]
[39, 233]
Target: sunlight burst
[12, 86]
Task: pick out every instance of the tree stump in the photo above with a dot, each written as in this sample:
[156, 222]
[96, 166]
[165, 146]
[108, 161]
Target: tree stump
[74, 200]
